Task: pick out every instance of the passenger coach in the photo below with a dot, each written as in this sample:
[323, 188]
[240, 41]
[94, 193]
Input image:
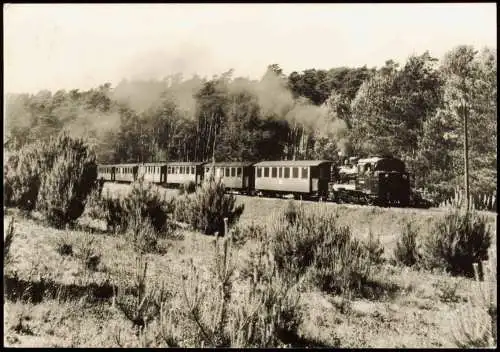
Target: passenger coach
[179, 173]
[307, 178]
[153, 172]
[236, 176]
[126, 172]
[106, 172]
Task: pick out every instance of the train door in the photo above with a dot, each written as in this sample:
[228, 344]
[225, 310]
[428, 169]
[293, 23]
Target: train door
[135, 170]
[324, 178]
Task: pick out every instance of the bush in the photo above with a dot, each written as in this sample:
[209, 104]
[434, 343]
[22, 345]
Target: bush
[406, 251]
[23, 174]
[64, 245]
[108, 209]
[146, 198]
[341, 266]
[314, 243]
[241, 234]
[475, 325]
[87, 254]
[374, 248]
[182, 208]
[65, 188]
[143, 199]
[456, 242]
[210, 205]
[291, 212]
[265, 315]
[187, 188]
[142, 234]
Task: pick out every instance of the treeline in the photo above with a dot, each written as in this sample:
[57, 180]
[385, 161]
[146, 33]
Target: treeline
[414, 111]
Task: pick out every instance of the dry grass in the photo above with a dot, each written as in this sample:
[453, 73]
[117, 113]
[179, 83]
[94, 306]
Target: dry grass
[414, 311]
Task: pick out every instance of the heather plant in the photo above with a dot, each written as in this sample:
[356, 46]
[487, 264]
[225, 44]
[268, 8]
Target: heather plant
[406, 251]
[457, 241]
[210, 205]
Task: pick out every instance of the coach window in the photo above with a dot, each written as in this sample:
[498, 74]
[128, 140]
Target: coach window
[295, 172]
[287, 172]
[266, 172]
[233, 172]
[259, 172]
[305, 172]
[274, 172]
[238, 172]
[280, 172]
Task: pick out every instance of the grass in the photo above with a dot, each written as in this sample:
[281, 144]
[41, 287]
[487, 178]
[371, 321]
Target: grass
[414, 311]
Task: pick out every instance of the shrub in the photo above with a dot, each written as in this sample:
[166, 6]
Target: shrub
[187, 188]
[65, 187]
[145, 303]
[182, 208]
[110, 210]
[23, 173]
[406, 252]
[341, 266]
[313, 243]
[476, 324]
[146, 198]
[456, 242]
[374, 248]
[291, 212]
[241, 234]
[266, 315]
[142, 234]
[87, 254]
[64, 245]
[210, 205]
[143, 200]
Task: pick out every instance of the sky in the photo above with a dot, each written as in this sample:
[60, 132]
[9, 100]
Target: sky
[68, 46]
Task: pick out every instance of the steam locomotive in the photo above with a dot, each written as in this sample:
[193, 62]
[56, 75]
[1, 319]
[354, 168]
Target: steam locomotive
[378, 180]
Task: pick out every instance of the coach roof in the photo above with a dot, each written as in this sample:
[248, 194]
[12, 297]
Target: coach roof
[230, 164]
[299, 163]
[184, 163]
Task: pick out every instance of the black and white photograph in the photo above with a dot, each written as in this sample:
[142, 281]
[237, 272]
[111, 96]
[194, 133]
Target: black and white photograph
[250, 175]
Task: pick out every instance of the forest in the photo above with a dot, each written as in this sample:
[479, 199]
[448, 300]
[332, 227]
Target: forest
[413, 111]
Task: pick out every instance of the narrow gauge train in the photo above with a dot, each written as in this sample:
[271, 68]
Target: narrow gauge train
[375, 180]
